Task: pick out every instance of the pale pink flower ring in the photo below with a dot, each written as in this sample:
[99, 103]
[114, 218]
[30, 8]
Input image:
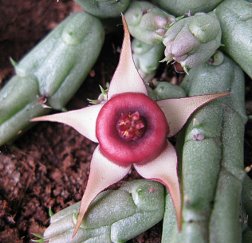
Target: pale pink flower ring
[131, 130]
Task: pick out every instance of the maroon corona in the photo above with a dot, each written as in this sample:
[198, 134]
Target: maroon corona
[131, 128]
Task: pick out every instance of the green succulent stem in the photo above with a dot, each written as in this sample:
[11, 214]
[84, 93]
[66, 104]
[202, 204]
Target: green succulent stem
[236, 22]
[211, 158]
[50, 74]
[164, 90]
[147, 22]
[147, 58]
[180, 7]
[114, 216]
[104, 8]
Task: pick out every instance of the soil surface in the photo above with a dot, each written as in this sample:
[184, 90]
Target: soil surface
[48, 166]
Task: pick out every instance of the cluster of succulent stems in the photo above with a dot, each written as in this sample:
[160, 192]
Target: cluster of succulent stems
[132, 122]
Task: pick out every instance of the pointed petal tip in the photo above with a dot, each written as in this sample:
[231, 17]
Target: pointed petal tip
[76, 228]
[125, 25]
[82, 120]
[103, 173]
[214, 96]
[164, 170]
[222, 94]
[178, 110]
[126, 77]
[57, 117]
[179, 220]
[40, 118]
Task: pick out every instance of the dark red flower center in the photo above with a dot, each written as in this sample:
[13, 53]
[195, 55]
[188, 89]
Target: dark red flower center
[131, 128]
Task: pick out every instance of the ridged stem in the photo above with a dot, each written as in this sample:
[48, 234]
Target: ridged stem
[212, 159]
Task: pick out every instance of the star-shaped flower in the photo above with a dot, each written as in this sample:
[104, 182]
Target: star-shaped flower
[131, 130]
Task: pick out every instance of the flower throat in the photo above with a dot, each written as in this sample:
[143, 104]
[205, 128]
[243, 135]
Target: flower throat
[131, 126]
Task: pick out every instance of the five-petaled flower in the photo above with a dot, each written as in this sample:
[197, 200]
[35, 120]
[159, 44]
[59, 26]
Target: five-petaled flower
[131, 130]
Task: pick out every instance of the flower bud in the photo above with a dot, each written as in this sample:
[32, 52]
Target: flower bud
[193, 40]
[147, 22]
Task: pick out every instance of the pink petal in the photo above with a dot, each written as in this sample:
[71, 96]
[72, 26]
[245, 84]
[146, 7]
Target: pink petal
[177, 111]
[164, 170]
[103, 173]
[82, 120]
[126, 78]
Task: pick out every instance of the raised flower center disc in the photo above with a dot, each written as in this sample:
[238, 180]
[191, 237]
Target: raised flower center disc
[131, 128]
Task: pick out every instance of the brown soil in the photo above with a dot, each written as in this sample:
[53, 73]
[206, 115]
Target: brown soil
[48, 166]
